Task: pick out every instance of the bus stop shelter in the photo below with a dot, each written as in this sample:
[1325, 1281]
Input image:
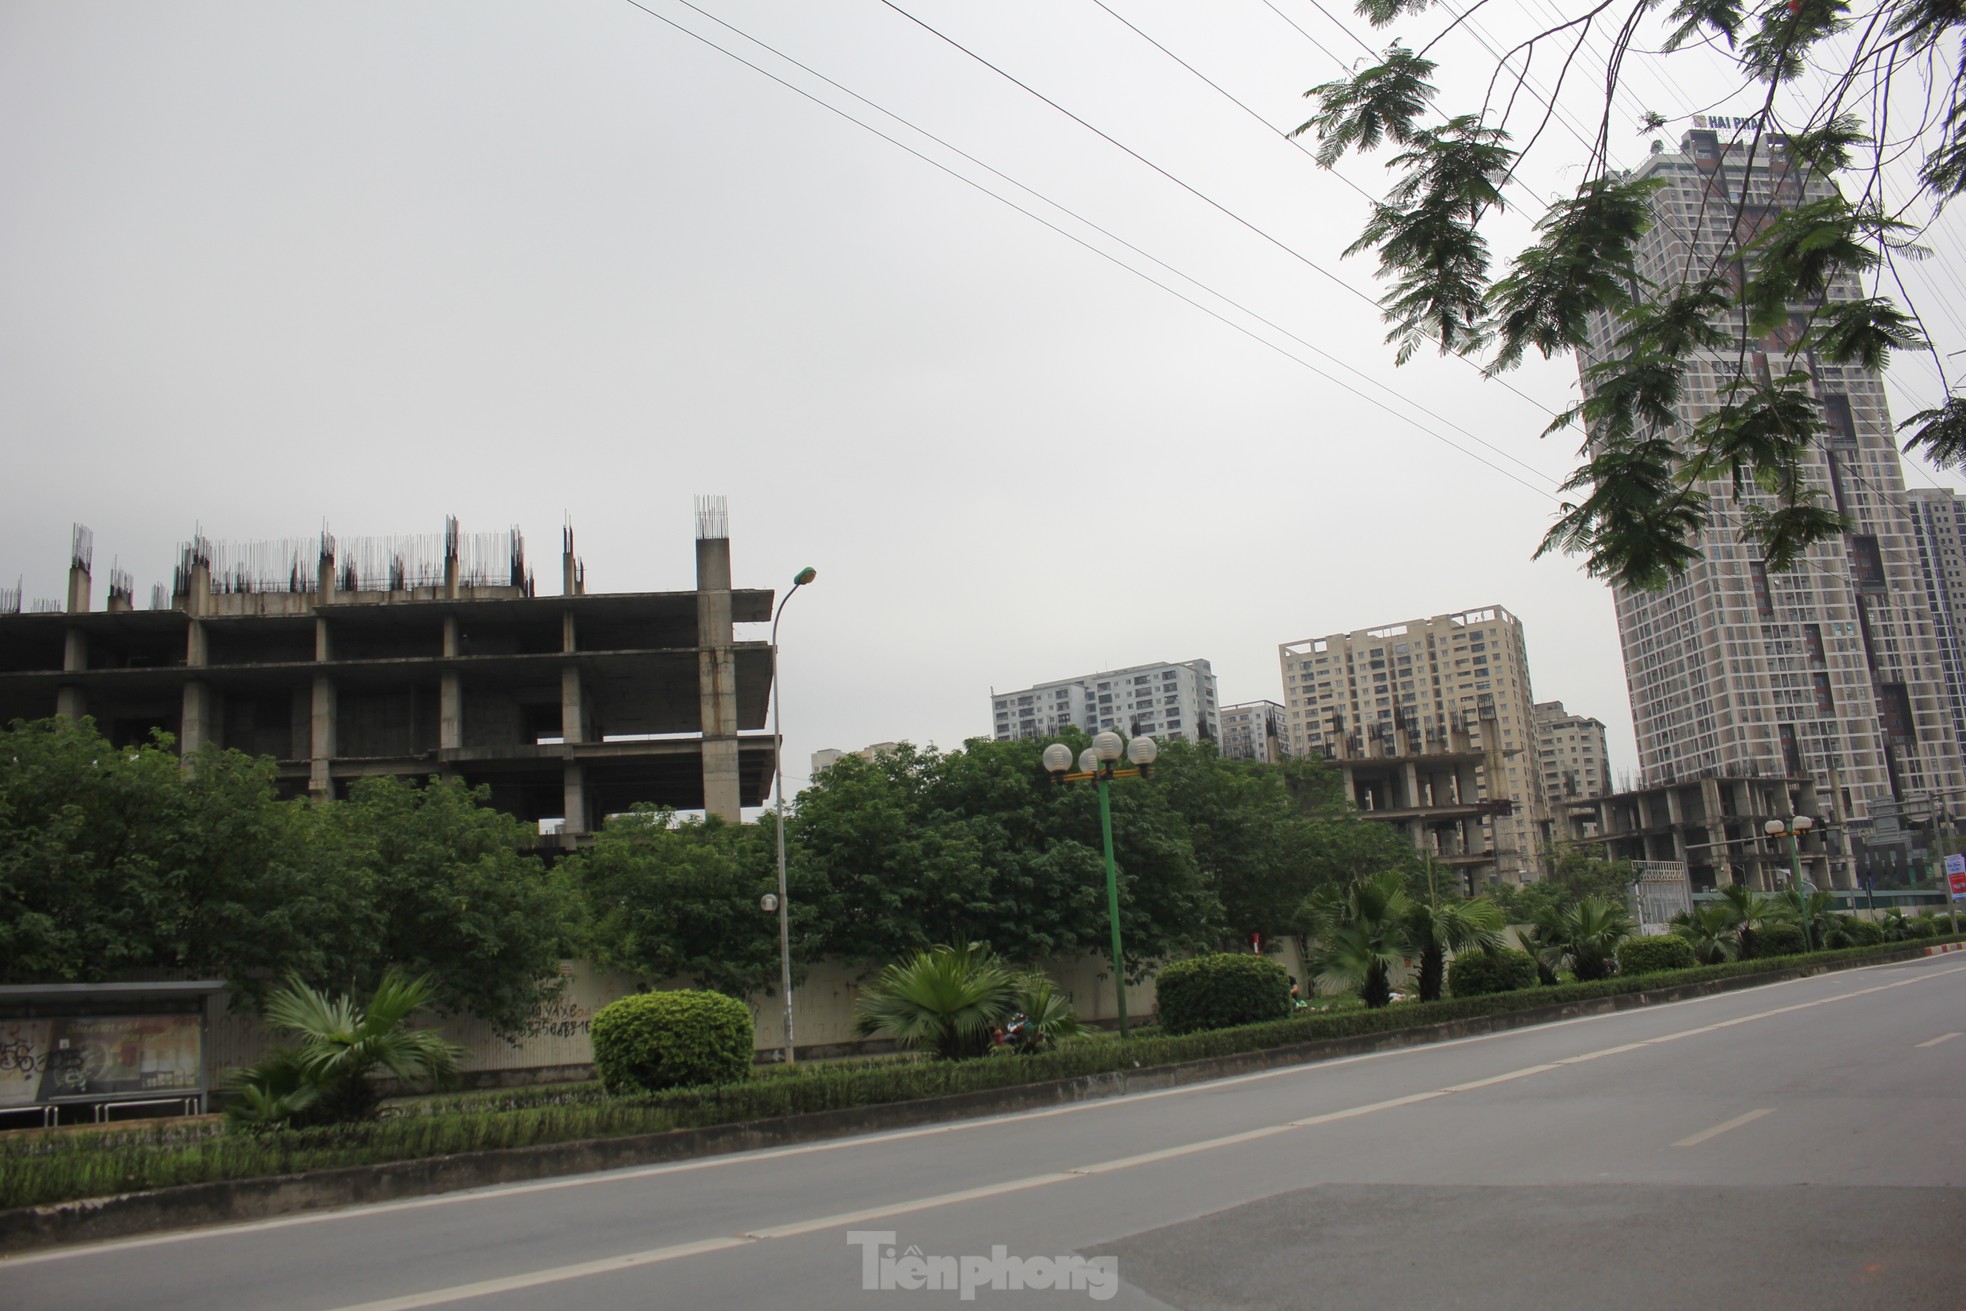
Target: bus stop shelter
[70, 1051]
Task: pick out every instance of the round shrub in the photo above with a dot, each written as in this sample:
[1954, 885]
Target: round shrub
[657, 1040]
[1922, 927]
[1478, 973]
[1779, 939]
[1220, 991]
[1652, 955]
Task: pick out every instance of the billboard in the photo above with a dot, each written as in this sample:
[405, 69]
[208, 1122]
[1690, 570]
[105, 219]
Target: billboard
[1956, 877]
[100, 1056]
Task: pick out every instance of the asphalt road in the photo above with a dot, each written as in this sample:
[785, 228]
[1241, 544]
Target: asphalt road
[1795, 1146]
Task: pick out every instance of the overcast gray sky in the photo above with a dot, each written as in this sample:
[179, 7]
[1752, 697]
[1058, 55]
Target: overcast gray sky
[269, 265]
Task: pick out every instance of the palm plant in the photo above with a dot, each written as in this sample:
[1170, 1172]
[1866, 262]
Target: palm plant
[1587, 935]
[1749, 911]
[1710, 928]
[1048, 1017]
[951, 998]
[1361, 934]
[1435, 927]
[327, 1075]
[1542, 938]
[1812, 912]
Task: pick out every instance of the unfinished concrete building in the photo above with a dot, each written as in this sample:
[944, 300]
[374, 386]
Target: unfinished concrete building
[420, 656]
[1716, 828]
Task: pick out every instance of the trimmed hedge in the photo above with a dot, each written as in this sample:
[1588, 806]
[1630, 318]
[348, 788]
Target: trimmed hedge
[39, 1169]
[1484, 973]
[1779, 939]
[1861, 933]
[1651, 955]
[1221, 991]
[676, 1039]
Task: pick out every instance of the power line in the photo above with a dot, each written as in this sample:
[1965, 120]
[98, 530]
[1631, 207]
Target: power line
[1106, 255]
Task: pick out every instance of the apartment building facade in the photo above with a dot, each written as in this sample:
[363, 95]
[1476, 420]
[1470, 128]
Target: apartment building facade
[1571, 752]
[1431, 722]
[1160, 701]
[1831, 670]
[1938, 525]
[1255, 730]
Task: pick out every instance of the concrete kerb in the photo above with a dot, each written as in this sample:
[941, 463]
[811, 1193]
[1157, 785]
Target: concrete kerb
[239, 1201]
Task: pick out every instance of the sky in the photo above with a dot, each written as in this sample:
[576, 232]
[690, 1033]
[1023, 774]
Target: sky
[1059, 368]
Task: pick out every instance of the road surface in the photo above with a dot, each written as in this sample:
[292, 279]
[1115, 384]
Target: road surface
[1798, 1146]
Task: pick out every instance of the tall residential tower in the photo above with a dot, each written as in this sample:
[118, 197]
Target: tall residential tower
[1829, 671]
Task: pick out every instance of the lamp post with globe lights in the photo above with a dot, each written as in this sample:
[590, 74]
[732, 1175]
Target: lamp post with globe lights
[1098, 763]
[1793, 829]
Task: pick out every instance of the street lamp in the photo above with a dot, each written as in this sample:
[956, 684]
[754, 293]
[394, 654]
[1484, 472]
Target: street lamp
[1793, 830]
[1098, 763]
[783, 901]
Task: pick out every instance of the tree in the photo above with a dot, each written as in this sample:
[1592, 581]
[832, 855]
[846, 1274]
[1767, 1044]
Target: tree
[1587, 935]
[1360, 935]
[1649, 485]
[918, 846]
[328, 1075]
[1711, 930]
[453, 891]
[1580, 871]
[1749, 912]
[951, 998]
[667, 898]
[1436, 925]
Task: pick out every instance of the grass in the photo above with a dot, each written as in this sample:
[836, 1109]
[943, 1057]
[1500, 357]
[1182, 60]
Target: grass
[42, 1169]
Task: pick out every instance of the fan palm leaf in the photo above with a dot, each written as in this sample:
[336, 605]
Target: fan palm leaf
[950, 998]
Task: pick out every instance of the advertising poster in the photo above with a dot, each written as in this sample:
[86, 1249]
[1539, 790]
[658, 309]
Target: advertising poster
[1956, 876]
[99, 1056]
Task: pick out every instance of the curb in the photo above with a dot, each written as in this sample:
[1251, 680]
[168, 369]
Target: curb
[237, 1201]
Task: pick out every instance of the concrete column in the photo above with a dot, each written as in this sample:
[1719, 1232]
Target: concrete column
[1411, 772]
[195, 728]
[450, 697]
[321, 717]
[716, 679]
[573, 795]
[573, 706]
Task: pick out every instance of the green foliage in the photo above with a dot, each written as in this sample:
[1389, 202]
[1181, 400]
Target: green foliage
[1645, 492]
[1711, 931]
[950, 998]
[1480, 973]
[1221, 991]
[1749, 912]
[1850, 931]
[1437, 923]
[1048, 1019]
[1583, 938]
[668, 899]
[1779, 938]
[1652, 955]
[679, 1039]
[327, 1075]
[38, 1169]
[1359, 932]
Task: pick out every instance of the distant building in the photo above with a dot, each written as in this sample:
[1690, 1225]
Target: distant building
[1161, 701]
[1571, 751]
[414, 656]
[1255, 730]
[1938, 524]
[1430, 722]
[826, 757]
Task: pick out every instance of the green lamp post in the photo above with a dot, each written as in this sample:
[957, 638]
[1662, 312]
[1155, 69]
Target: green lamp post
[1098, 763]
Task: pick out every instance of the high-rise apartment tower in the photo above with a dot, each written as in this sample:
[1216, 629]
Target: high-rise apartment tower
[1829, 670]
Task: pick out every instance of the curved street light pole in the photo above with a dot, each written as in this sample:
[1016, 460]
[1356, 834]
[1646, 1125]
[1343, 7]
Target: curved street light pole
[803, 577]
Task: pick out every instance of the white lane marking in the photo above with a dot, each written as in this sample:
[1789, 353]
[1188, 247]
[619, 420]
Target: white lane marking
[487, 1287]
[739, 1158]
[1694, 1140]
[1933, 1042]
[845, 1218]
[464, 1292]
